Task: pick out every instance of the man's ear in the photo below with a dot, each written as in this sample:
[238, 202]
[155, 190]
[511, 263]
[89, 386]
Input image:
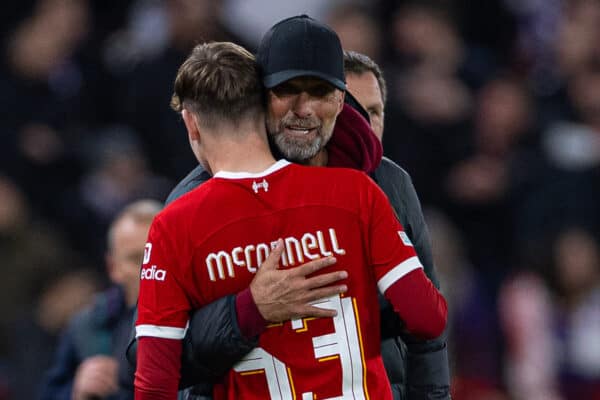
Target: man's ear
[191, 126]
[342, 99]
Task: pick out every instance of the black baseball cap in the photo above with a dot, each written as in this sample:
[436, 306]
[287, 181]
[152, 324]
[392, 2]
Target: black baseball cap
[301, 46]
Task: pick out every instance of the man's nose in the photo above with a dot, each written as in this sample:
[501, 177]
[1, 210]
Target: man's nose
[302, 105]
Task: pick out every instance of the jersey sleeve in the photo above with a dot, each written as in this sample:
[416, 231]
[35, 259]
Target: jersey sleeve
[392, 253]
[157, 374]
[163, 314]
[163, 305]
[399, 273]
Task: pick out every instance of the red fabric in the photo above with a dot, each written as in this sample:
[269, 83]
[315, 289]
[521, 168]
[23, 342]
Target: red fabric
[328, 219]
[158, 364]
[250, 321]
[353, 143]
[419, 304]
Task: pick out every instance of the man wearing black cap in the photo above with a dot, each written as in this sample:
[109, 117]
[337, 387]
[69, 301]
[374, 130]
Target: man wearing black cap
[302, 67]
[210, 243]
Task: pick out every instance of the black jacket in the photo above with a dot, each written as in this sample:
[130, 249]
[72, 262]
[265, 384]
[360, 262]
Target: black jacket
[417, 370]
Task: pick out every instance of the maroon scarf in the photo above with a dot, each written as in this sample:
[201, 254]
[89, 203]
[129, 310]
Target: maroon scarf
[353, 143]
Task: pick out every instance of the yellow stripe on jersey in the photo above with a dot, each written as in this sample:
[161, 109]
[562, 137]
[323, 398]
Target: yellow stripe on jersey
[362, 351]
[258, 371]
[304, 324]
[328, 358]
[289, 374]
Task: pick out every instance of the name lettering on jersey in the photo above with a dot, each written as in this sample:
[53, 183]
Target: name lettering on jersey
[257, 185]
[309, 246]
[153, 274]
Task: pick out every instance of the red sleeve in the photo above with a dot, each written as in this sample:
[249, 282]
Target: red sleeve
[163, 307]
[164, 301]
[157, 374]
[399, 272]
[419, 304]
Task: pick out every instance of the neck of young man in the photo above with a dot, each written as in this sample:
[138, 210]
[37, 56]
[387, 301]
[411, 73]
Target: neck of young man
[251, 154]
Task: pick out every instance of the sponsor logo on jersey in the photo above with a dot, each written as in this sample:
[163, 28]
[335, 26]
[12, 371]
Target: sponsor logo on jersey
[257, 185]
[297, 250]
[153, 273]
[405, 239]
[147, 251]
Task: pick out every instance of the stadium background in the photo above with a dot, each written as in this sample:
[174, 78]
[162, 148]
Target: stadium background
[493, 108]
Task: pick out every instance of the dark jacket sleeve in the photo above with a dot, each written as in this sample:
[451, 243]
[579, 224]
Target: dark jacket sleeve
[417, 370]
[214, 342]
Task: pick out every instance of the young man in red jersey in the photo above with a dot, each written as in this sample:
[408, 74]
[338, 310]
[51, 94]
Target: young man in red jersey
[209, 242]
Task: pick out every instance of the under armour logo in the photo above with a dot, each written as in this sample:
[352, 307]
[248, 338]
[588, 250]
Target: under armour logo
[257, 185]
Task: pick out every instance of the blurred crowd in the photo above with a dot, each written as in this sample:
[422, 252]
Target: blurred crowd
[493, 108]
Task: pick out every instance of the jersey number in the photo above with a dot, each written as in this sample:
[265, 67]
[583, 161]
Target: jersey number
[344, 342]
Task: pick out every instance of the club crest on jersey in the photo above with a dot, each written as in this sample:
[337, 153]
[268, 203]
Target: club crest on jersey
[257, 185]
[404, 238]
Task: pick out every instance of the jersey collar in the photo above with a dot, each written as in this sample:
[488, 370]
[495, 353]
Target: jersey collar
[242, 175]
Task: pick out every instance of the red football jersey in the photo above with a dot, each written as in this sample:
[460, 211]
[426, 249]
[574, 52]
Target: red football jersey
[210, 242]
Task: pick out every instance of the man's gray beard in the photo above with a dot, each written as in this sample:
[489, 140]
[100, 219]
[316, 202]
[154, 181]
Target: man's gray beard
[298, 151]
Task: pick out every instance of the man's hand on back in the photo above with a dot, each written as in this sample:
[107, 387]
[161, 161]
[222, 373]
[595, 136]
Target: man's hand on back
[283, 294]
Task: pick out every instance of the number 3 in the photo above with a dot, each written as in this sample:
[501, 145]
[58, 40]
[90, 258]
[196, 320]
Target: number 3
[344, 342]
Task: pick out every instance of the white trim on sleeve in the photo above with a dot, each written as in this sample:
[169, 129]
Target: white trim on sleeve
[165, 332]
[398, 272]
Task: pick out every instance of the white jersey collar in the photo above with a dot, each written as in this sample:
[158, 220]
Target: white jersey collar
[242, 175]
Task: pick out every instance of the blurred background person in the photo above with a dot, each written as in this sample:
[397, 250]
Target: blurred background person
[36, 334]
[551, 322]
[146, 84]
[365, 81]
[39, 268]
[473, 334]
[118, 173]
[357, 28]
[480, 186]
[87, 357]
[50, 98]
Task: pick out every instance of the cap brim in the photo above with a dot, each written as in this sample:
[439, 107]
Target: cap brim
[270, 81]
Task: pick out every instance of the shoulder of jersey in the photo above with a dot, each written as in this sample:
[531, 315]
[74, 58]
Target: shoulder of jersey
[187, 201]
